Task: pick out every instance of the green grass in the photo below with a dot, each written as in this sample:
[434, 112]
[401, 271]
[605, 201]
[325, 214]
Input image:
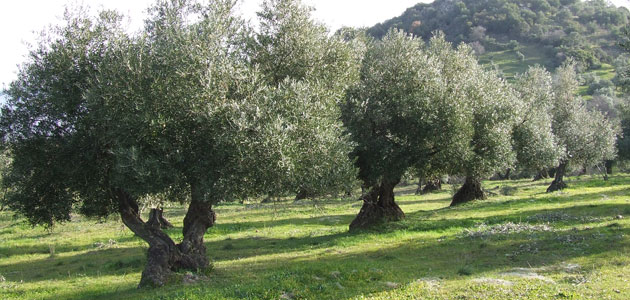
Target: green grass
[523, 245]
[510, 64]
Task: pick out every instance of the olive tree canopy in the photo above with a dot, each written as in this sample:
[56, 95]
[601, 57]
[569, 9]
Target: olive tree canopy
[308, 71]
[431, 108]
[586, 137]
[534, 143]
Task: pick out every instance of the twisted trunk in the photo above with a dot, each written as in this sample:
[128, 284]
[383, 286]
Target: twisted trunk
[558, 182]
[552, 172]
[432, 185]
[504, 176]
[541, 175]
[156, 218]
[198, 219]
[164, 256]
[471, 190]
[583, 171]
[378, 206]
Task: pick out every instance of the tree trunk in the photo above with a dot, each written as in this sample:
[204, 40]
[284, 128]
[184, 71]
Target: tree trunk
[303, 194]
[552, 172]
[609, 166]
[164, 256]
[156, 218]
[582, 172]
[420, 183]
[198, 219]
[541, 175]
[432, 186]
[558, 182]
[471, 190]
[378, 206]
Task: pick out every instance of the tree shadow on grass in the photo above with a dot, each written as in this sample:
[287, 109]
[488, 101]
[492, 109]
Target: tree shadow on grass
[102, 262]
[365, 272]
[566, 217]
[446, 200]
[495, 203]
[56, 248]
[491, 205]
[401, 262]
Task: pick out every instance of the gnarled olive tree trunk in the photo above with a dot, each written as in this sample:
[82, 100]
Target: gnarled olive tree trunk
[156, 218]
[378, 206]
[164, 256]
[432, 185]
[558, 182]
[471, 190]
[303, 194]
[506, 175]
[542, 174]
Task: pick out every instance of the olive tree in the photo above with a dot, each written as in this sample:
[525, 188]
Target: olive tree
[308, 71]
[587, 138]
[99, 119]
[534, 143]
[409, 110]
[492, 110]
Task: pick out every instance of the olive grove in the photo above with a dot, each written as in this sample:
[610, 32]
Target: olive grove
[200, 108]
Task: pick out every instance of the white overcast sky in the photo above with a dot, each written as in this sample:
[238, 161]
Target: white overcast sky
[20, 20]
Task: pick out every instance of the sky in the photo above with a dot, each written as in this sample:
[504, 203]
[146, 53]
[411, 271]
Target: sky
[21, 20]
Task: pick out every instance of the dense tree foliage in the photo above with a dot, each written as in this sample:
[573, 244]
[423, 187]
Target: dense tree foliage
[534, 143]
[308, 72]
[51, 128]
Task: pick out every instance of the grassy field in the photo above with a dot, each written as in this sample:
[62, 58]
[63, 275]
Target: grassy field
[510, 64]
[520, 244]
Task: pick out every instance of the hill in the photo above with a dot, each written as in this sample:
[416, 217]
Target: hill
[512, 34]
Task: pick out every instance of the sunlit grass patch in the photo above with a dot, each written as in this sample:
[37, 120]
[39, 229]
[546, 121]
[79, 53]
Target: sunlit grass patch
[521, 244]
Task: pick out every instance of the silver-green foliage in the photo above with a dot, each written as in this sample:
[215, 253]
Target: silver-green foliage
[534, 143]
[182, 104]
[587, 137]
[307, 72]
[192, 103]
[58, 139]
[492, 107]
[429, 107]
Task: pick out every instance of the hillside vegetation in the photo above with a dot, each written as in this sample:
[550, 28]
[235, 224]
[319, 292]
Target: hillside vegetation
[523, 32]
[521, 243]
